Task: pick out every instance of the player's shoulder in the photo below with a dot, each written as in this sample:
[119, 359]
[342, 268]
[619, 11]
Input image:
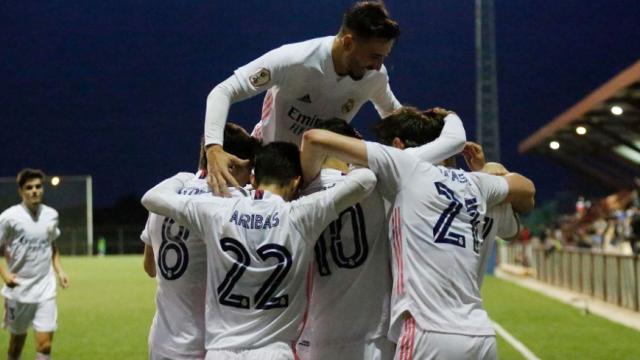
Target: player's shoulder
[327, 179]
[308, 53]
[49, 210]
[10, 212]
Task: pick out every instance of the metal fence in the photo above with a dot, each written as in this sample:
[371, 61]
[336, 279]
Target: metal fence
[115, 239]
[609, 277]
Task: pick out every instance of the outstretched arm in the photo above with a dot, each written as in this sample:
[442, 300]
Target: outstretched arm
[218, 161]
[450, 142]
[320, 143]
[163, 199]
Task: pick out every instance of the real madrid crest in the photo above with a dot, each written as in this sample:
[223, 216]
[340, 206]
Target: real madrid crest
[261, 77]
[348, 106]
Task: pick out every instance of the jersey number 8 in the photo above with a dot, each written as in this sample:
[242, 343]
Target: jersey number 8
[173, 244]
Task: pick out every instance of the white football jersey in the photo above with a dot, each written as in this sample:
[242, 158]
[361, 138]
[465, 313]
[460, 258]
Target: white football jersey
[434, 229]
[27, 241]
[303, 88]
[352, 278]
[260, 250]
[499, 221]
[178, 328]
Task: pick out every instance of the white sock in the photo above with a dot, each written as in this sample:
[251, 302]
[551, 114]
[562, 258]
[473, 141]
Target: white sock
[41, 356]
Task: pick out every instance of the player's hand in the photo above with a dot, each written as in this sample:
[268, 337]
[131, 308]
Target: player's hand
[63, 279]
[439, 111]
[11, 280]
[494, 168]
[473, 156]
[218, 164]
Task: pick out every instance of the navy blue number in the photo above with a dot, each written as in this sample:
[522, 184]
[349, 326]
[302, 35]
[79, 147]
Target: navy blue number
[471, 205]
[441, 231]
[264, 298]
[235, 273]
[360, 244]
[173, 244]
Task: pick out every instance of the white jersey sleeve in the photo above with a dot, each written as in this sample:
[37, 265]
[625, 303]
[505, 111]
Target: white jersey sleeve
[247, 81]
[493, 188]
[392, 166]
[449, 143]
[144, 236]
[508, 224]
[53, 231]
[5, 228]
[383, 98]
[163, 199]
[313, 213]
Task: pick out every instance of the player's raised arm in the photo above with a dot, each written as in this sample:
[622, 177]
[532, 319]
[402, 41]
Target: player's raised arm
[163, 199]
[324, 142]
[450, 142]
[247, 81]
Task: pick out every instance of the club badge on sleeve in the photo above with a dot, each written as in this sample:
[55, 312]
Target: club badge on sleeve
[348, 106]
[260, 78]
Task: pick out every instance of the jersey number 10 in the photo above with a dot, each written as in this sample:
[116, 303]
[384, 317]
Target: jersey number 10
[337, 246]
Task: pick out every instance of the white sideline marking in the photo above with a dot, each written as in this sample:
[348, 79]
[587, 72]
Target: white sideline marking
[514, 342]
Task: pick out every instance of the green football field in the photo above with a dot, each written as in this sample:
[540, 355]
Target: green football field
[106, 313]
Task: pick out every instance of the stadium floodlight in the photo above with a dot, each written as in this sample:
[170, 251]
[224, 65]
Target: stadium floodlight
[616, 110]
[554, 145]
[55, 181]
[581, 130]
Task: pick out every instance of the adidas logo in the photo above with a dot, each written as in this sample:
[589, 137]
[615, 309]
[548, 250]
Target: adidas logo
[306, 99]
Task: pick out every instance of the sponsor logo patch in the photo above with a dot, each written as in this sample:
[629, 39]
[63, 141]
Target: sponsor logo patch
[260, 78]
[348, 106]
[305, 99]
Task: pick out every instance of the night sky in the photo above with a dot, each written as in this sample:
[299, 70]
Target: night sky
[117, 90]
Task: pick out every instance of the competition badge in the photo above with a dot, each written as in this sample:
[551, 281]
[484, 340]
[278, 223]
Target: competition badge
[261, 77]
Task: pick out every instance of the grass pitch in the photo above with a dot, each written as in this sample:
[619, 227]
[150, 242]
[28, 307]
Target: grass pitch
[107, 311]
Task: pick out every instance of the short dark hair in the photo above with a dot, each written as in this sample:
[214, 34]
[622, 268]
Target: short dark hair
[236, 142]
[370, 20]
[414, 127]
[28, 174]
[338, 126]
[277, 163]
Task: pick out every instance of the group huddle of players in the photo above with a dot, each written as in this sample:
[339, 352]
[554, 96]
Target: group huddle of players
[303, 241]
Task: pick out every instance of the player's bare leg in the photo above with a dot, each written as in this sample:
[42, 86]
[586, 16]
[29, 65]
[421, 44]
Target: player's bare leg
[43, 345]
[16, 343]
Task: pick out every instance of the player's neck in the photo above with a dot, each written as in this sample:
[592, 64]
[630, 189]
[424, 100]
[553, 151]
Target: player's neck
[33, 208]
[333, 163]
[285, 192]
[336, 56]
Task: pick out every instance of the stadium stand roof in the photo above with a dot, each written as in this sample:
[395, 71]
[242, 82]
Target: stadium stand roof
[600, 135]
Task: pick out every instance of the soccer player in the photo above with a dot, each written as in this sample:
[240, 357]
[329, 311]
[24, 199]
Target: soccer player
[436, 308]
[259, 250]
[501, 220]
[349, 310]
[27, 234]
[178, 328]
[320, 78]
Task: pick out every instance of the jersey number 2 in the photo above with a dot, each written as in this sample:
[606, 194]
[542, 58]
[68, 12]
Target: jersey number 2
[264, 298]
[441, 231]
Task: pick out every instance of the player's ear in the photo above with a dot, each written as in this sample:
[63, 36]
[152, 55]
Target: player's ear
[348, 42]
[397, 143]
